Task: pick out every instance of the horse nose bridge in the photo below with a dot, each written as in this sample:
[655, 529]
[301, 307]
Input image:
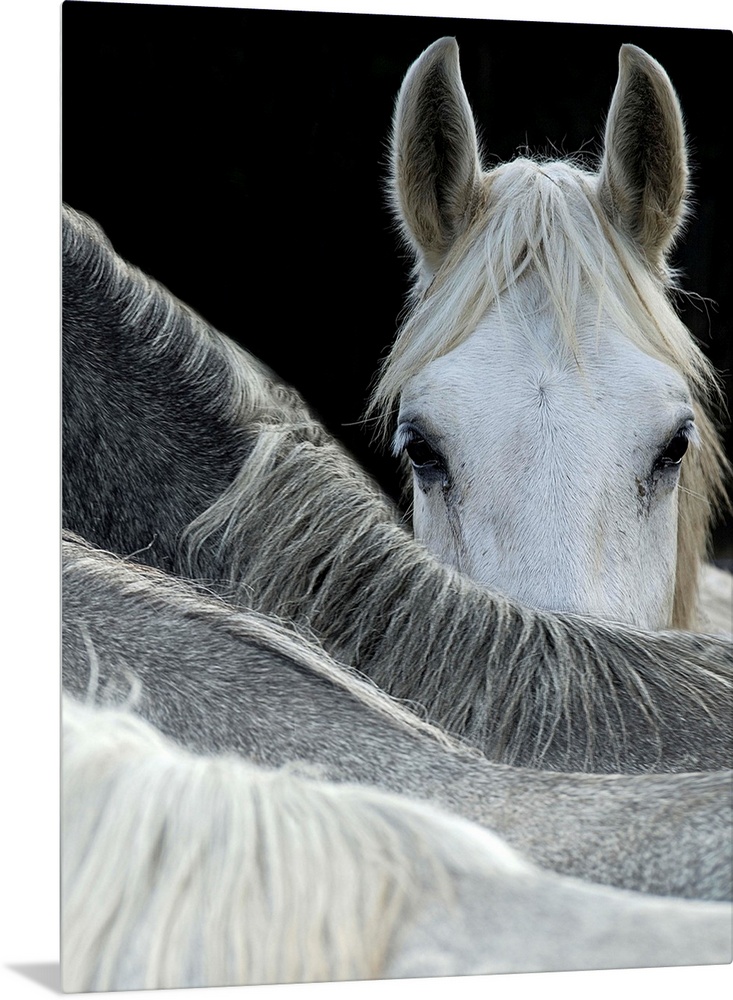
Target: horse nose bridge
[550, 550]
[579, 556]
[511, 546]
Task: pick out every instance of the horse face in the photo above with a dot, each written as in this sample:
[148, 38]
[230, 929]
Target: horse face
[544, 377]
[550, 477]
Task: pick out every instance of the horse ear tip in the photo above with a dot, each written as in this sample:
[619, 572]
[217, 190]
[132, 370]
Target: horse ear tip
[443, 52]
[632, 56]
[447, 45]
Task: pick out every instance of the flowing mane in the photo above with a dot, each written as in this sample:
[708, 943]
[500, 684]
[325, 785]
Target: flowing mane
[240, 874]
[544, 218]
[318, 545]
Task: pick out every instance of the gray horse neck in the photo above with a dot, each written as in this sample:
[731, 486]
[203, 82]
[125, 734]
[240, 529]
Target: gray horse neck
[218, 680]
[131, 417]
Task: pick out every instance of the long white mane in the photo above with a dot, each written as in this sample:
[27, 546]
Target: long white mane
[186, 870]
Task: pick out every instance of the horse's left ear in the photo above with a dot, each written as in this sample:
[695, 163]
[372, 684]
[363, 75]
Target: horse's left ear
[644, 176]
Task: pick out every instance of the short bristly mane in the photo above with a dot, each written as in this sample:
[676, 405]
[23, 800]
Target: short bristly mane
[544, 218]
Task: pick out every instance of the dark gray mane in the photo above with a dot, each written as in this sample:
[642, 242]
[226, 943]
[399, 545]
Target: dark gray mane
[525, 687]
[182, 450]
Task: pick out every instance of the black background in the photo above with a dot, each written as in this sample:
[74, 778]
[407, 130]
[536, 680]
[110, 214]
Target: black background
[239, 157]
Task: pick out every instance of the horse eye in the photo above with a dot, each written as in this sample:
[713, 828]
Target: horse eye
[675, 450]
[421, 454]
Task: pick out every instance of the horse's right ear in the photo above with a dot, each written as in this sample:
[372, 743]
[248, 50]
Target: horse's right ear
[435, 161]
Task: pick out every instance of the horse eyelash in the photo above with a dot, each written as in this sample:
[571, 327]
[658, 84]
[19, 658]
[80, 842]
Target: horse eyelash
[692, 433]
[404, 434]
[401, 438]
[688, 430]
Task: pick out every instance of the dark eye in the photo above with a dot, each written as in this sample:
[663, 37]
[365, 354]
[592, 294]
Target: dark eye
[421, 454]
[674, 450]
[427, 463]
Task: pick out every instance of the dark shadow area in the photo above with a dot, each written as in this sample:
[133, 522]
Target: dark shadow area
[46, 974]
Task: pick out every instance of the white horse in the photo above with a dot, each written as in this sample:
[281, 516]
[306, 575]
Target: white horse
[188, 870]
[554, 408]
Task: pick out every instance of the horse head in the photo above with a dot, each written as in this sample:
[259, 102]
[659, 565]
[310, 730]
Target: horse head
[552, 405]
